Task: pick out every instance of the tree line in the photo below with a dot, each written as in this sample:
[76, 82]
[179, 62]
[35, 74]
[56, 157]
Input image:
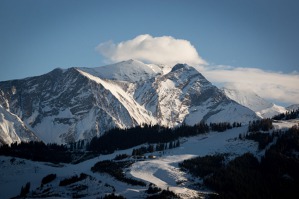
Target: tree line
[119, 139]
[275, 176]
[287, 116]
[37, 151]
[158, 147]
[114, 139]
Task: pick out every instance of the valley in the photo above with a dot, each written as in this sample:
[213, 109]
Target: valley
[163, 170]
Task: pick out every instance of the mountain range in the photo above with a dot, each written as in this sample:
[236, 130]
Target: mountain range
[66, 105]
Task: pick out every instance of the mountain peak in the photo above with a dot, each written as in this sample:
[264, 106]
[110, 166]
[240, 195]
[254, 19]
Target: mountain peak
[130, 71]
[131, 61]
[179, 66]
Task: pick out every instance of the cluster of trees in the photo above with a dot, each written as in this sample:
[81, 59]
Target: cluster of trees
[260, 125]
[152, 189]
[114, 139]
[37, 151]
[115, 169]
[202, 166]
[287, 116]
[119, 139]
[164, 194]
[158, 147]
[47, 179]
[73, 179]
[263, 139]
[223, 126]
[241, 178]
[157, 193]
[121, 156]
[25, 190]
[142, 150]
[126, 138]
[79, 145]
[275, 176]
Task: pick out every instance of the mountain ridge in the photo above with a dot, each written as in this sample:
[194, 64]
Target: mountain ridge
[66, 105]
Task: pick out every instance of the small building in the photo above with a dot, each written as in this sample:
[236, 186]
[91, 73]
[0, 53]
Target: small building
[152, 157]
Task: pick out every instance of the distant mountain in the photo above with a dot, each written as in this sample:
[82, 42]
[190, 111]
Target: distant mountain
[293, 107]
[79, 103]
[248, 98]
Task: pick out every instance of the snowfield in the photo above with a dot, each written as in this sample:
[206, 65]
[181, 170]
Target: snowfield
[162, 171]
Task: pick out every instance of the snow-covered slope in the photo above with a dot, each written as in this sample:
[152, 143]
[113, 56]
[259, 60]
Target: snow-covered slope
[130, 71]
[136, 112]
[262, 107]
[162, 171]
[79, 103]
[12, 129]
[68, 105]
[293, 107]
[184, 95]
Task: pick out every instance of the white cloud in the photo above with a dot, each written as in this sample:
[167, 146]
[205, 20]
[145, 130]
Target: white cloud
[270, 85]
[158, 50]
[274, 86]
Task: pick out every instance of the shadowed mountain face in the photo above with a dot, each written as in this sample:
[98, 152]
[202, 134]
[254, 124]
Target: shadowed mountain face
[79, 103]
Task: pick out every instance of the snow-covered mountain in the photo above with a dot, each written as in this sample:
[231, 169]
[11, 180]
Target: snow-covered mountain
[184, 95]
[79, 103]
[248, 98]
[129, 71]
[12, 129]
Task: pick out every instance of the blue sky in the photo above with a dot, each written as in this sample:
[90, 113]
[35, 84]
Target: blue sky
[39, 35]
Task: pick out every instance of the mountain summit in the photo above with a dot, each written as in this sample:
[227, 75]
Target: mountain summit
[78, 103]
[130, 71]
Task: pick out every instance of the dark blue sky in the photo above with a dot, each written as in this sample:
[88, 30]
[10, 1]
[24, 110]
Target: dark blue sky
[39, 35]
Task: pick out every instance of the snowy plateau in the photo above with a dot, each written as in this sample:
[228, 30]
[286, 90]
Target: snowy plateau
[67, 105]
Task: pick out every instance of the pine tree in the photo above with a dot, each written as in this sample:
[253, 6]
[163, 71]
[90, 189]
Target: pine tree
[170, 145]
[177, 143]
[25, 190]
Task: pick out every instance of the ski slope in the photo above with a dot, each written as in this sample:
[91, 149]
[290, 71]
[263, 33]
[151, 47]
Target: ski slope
[162, 171]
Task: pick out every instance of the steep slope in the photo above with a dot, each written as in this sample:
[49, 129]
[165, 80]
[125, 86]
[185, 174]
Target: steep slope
[68, 105]
[79, 103]
[129, 71]
[136, 112]
[262, 107]
[184, 95]
[12, 129]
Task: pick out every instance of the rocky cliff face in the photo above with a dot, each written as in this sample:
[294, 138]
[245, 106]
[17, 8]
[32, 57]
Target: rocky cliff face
[12, 129]
[184, 95]
[79, 103]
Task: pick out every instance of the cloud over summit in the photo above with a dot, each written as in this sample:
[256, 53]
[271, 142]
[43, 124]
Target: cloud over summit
[170, 51]
[146, 48]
